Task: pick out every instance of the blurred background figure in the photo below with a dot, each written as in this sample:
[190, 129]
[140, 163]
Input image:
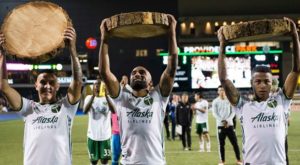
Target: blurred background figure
[184, 116]
[202, 128]
[99, 126]
[224, 115]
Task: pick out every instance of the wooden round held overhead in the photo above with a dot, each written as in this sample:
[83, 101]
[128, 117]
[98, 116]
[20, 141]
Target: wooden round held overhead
[138, 24]
[254, 30]
[35, 30]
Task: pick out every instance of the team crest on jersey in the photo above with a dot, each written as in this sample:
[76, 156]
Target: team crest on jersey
[148, 100]
[272, 103]
[55, 108]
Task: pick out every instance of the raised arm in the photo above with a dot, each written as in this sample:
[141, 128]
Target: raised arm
[167, 78]
[112, 83]
[111, 106]
[230, 91]
[13, 97]
[290, 84]
[74, 90]
[87, 105]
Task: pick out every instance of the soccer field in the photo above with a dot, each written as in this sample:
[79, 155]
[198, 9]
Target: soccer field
[11, 141]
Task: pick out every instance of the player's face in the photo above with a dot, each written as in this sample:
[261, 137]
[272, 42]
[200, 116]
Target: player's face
[47, 86]
[197, 97]
[140, 78]
[185, 98]
[261, 83]
[96, 88]
[221, 92]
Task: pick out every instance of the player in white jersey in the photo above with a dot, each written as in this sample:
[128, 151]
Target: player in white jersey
[263, 119]
[141, 111]
[99, 127]
[202, 129]
[48, 123]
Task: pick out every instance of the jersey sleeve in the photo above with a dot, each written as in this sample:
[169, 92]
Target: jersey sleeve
[286, 102]
[120, 95]
[27, 108]
[164, 100]
[71, 109]
[238, 109]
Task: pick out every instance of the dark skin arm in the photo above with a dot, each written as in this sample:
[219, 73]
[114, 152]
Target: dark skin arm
[111, 106]
[231, 92]
[13, 97]
[112, 83]
[88, 106]
[167, 78]
[290, 83]
[74, 90]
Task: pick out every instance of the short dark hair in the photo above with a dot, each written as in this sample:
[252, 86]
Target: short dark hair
[199, 94]
[47, 71]
[184, 93]
[261, 68]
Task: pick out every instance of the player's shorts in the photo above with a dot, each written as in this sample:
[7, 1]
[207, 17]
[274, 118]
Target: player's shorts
[99, 150]
[201, 128]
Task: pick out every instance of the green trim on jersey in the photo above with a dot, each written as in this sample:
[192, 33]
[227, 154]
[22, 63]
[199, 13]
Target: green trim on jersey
[99, 150]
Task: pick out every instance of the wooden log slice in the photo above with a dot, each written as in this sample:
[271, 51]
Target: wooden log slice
[255, 30]
[138, 24]
[35, 30]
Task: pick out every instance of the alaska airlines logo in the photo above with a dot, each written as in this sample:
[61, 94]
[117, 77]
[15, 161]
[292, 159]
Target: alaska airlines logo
[137, 113]
[261, 117]
[272, 103]
[42, 119]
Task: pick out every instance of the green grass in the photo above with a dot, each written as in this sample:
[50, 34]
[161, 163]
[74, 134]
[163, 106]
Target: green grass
[11, 142]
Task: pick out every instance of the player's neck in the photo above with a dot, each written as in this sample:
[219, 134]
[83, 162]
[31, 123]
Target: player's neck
[47, 101]
[140, 93]
[222, 97]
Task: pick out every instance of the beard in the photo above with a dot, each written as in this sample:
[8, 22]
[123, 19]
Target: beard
[138, 85]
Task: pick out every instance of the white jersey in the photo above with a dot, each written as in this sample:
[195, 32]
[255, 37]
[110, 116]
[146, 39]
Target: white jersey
[200, 116]
[263, 127]
[99, 128]
[222, 110]
[141, 127]
[47, 133]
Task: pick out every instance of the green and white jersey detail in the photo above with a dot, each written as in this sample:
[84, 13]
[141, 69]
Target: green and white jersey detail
[99, 127]
[141, 127]
[263, 128]
[200, 116]
[47, 132]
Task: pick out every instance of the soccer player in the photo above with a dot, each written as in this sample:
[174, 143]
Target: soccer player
[48, 123]
[140, 111]
[99, 128]
[224, 115]
[202, 129]
[263, 119]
